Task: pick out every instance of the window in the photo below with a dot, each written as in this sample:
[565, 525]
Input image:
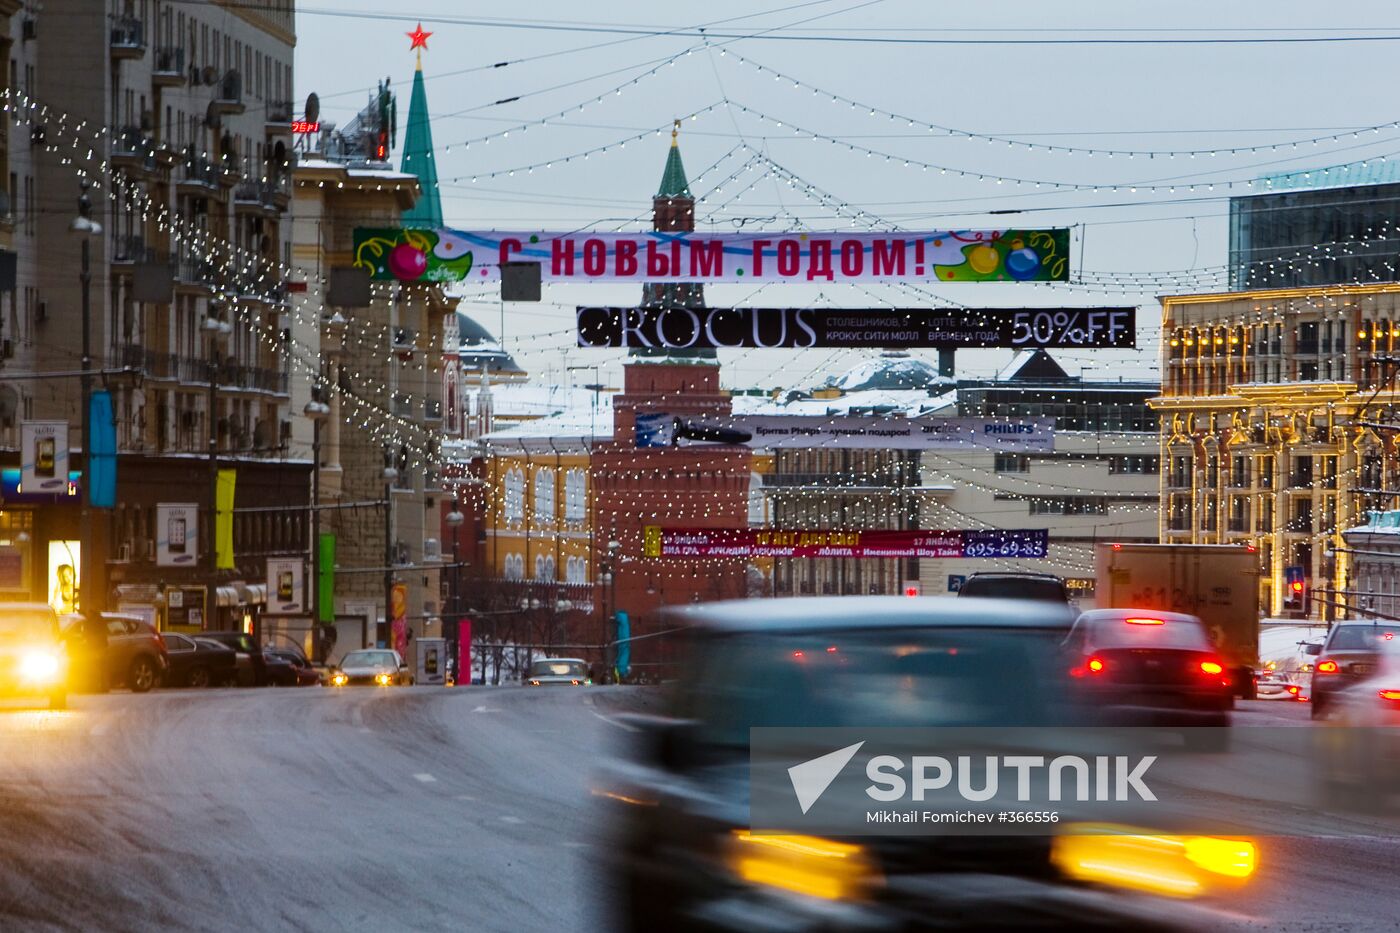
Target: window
[544, 568]
[1068, 505]
[514, 505]
[544, 495]
[1143, 464]
[575, 495]
[576, 570]
[1013, 463]
[514, 567]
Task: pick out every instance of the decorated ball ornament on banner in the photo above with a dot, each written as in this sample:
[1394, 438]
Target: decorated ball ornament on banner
[412, 255]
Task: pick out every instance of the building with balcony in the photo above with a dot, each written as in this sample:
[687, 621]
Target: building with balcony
[1273, 432]
[166, 105]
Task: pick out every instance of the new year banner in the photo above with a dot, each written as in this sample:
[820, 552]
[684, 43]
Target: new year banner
[772, 432]
[749, 542]
[1007, 255]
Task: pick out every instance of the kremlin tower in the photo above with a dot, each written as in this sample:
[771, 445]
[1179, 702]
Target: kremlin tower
[678, 487]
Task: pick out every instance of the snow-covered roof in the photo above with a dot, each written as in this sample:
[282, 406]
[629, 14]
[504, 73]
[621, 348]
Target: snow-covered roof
[907, 402]
[525, 400]
[570, 425]
[356, 171]
[891, 370]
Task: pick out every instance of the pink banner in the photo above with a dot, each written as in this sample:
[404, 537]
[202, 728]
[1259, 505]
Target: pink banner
[399, 616]
[464, 651]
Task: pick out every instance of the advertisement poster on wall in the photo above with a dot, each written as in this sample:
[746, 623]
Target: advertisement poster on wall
[286, 590]
[177, 534]
[44, 456]
[65, 568]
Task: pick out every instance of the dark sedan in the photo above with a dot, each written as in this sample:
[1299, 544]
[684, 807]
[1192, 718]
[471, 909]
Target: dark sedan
[199, 662]
[686, 858]
[1350, 655]
[301, 673]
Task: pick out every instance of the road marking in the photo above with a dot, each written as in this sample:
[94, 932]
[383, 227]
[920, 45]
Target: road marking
[613, 722]
[98, 729]
[482, 709]
[425, 778]
[511, 819]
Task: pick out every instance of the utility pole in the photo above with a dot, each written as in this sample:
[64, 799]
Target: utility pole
[216, 328]
[84, 226]
[391, 474]
[317, 411]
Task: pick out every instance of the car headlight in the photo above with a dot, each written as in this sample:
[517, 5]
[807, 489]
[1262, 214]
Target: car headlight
[41, 666]
[339, 680]
[382, 679]
[1179, 866]
[810, 865]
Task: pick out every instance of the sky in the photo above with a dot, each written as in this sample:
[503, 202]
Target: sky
[769, 149]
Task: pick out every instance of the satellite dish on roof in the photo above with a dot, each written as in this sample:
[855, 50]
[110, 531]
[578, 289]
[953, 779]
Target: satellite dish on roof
[313, 107]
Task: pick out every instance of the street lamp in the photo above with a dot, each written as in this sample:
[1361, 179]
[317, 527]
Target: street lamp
[84, 227]
[317, 411]
[391, 474]
[217, 329]
[609, 580]
[454, 520]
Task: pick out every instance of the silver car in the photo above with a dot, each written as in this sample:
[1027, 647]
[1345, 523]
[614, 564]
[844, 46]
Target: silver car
[371, 666]
[568, 672]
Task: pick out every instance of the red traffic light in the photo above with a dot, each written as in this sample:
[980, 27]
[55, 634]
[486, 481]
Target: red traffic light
[911, 591]
[1297, 586]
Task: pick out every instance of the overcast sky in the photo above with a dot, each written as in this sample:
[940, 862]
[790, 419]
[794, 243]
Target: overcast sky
[1056, 74]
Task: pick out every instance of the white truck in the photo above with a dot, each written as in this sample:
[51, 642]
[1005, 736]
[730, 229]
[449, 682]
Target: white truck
[1219, 583]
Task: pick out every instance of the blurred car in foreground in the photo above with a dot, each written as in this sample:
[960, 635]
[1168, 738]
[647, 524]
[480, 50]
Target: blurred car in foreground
[1039, 587]
[198, 662]
[1133, 667]
[684, 858]
[373, 666]
[293, 670]
[32, 660]
[1358, 753]
[566, 672]
[1350, 654]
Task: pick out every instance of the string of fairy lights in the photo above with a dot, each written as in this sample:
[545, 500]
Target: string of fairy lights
[232, 261]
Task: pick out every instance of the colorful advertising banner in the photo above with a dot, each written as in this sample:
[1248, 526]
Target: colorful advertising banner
[398, 616]
[771, 432]
[177, 534]
[1007, 255]
[43, 463]
[752, 542]
[285, 586]
[224, 487]
[856, 328]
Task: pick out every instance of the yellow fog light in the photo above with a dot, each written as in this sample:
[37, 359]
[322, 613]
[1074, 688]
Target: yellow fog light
[809, 865]
[1231, 857]
[38, 666]
[1178, 866]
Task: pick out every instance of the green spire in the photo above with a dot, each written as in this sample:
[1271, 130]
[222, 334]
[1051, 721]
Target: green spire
[673, 183]
[418, 159]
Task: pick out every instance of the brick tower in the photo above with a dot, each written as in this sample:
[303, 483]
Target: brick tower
[691, 487]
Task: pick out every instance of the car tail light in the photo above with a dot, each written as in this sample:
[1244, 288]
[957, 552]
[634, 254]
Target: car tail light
[1327, 667]
[1211, 667]
[1293, 690]
[1142, 620]
[1390, 694]
[1095, 665]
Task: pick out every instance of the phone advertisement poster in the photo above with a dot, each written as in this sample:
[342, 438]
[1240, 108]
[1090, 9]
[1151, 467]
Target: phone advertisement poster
[177, 534]
[44, 458]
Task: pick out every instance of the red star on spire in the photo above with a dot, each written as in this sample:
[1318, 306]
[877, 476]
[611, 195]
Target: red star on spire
[419, 37]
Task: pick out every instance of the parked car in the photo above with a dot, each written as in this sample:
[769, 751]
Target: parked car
[32, 659]
[1040, 587]
[1140, 668]
[376, 666]
[1350, 654]
[302, 673]
[198, 662]
[558, 672]
[252, 668]
[135, 656]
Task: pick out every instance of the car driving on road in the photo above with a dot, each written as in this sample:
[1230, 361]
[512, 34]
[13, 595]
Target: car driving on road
[1133, 667]
[566, 672]
[1038, 587]
[373, 666]
[1351, 653]
[684, 857]
[32, 660]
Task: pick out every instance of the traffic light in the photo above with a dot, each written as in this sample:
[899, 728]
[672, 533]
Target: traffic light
[1295, 593]
[911, 588]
